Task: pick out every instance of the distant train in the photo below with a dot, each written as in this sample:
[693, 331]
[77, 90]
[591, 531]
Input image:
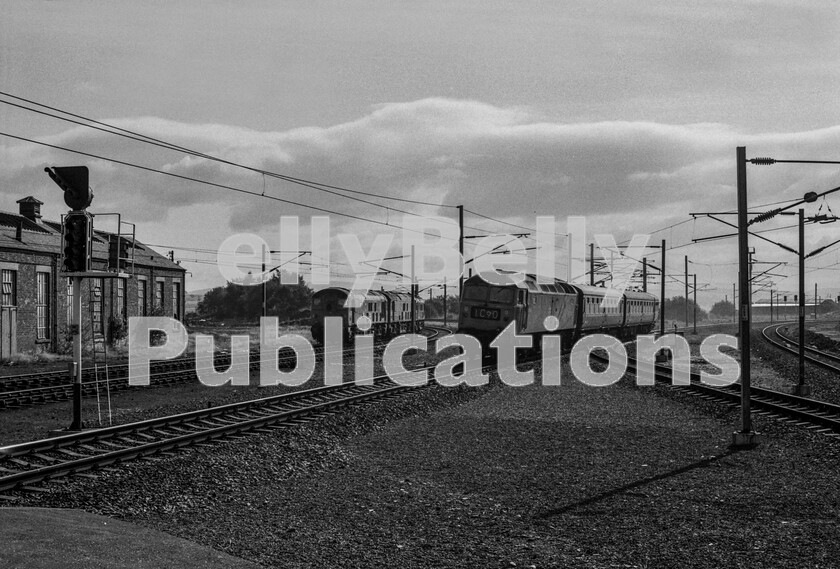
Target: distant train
[389, 312]
[488, 309]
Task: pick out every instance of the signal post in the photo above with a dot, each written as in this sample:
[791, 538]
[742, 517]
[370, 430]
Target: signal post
[77, 254]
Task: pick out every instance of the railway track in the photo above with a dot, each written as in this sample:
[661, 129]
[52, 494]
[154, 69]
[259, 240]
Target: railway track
[38, 389]
[809, 413]
[30, 463]
[774, 336]
[24, 465]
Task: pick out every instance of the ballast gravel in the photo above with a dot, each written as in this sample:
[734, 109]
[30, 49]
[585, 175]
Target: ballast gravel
[567, 476]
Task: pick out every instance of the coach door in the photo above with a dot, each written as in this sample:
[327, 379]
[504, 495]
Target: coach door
[522, 309]
[392, 319]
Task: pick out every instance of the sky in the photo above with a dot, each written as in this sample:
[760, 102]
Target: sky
[626, 113]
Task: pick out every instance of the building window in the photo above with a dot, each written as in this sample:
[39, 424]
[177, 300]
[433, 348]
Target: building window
[97, 299]
[9, 283]
[159, 294]
[141, 298]
[120, 308]
[42, 306]
[176, 300]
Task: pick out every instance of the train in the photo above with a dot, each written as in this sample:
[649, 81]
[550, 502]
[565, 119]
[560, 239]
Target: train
[487, 309]
[389, 313]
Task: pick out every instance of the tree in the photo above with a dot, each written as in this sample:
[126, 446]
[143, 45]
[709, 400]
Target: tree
[675, 309]
[434, 307]
[827, 306]
[243, 302]
[723, 309]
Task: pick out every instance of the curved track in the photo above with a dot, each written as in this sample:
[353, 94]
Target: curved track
[817, 357]
[821, 416]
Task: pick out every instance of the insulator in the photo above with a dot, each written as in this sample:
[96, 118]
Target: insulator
[765, 216]
[763, 161]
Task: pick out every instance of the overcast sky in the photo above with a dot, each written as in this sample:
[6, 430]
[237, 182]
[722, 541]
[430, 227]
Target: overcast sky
[627, 113]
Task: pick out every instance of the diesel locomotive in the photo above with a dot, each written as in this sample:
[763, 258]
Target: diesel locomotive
[487, 309]
[389, 312]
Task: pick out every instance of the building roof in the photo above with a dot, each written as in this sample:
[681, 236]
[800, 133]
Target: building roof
[45, 237]
[30, 199]
[11, 220]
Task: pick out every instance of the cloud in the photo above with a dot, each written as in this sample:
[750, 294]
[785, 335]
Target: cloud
[507, 163]
[501, 161]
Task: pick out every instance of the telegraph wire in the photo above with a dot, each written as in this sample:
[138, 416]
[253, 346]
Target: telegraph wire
[126, 133]
[170, 146]
[213, 184]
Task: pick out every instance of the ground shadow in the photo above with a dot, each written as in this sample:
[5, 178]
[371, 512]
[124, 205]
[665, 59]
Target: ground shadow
[639, 483]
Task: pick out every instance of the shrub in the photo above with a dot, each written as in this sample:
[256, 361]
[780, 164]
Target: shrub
[117, 329]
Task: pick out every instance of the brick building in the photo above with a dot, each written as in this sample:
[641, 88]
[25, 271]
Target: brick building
[35, 299]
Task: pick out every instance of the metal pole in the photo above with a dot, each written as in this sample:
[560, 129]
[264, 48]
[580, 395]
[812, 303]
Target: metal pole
[263, 281]
[801, 387]
[662, 294]
[444, 303]
[744, 284]
[413, 317]
[77, 424]
[460, 248]
[569, 241]
[695, 304]
[771, 306]
[734, 302]
[644, 274]
[815, 301]
[592, 264]
[685, 304]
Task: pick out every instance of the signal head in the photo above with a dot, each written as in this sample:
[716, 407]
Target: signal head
[74, 181]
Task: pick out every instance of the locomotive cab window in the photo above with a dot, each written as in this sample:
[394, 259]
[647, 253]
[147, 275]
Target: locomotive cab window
[501, 294]
[474, 292]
